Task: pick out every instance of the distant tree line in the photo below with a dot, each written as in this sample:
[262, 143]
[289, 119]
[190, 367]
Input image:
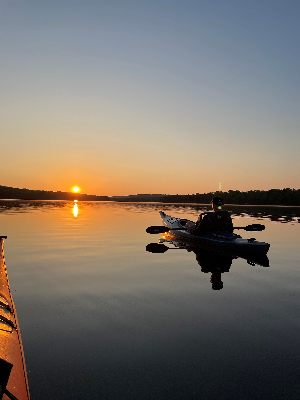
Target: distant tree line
[7, 192]
[282, 197]
[139, 198]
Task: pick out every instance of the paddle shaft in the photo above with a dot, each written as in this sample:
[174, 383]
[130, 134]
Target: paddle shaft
[159, 248]
[163, 229]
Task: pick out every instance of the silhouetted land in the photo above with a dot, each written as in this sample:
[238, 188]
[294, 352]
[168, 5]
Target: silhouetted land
[280, 197]
[26, 194]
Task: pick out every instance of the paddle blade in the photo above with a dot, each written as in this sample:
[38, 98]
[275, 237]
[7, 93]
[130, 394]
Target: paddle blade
[157, 229]
[254, 227]
[156, 248]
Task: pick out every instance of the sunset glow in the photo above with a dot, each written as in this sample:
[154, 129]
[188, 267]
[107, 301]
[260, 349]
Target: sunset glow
[133, 121]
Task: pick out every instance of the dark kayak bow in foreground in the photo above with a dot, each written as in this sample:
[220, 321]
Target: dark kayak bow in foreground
[232, 241]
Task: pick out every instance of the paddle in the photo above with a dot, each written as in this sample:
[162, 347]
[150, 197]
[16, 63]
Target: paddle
[253, 227]
[159, 248]
[162, 229]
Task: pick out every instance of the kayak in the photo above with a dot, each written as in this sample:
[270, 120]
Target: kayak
[13, 374]
[222, 240]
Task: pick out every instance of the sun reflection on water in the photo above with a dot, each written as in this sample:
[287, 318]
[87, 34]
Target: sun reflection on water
[75, 209]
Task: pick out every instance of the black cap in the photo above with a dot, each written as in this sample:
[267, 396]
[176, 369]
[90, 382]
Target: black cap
[218, 201]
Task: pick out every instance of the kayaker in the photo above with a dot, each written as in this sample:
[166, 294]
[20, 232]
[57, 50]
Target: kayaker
[216, 221]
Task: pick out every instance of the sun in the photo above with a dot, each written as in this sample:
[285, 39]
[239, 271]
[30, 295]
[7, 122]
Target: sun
[76, 189]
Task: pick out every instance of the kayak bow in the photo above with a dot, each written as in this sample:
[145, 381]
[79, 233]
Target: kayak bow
[13, 374]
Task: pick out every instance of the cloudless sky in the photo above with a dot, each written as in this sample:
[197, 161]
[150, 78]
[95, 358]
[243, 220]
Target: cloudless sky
[150, 96]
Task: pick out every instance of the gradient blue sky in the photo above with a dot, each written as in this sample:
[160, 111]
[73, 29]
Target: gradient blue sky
[124, 97]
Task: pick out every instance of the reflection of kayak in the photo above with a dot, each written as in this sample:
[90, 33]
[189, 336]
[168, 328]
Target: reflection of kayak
[189, 245]
[216, 239]
[13, 375]
[215, 260]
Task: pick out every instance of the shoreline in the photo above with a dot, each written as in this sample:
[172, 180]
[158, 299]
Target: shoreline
[147, 202]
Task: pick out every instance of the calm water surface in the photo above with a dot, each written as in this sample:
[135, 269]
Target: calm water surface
[101, 318]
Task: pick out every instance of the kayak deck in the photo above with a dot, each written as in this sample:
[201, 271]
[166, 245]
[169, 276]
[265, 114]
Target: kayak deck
[13, 372]
[215, 239]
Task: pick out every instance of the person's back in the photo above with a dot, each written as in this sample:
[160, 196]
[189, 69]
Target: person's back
[216, 221]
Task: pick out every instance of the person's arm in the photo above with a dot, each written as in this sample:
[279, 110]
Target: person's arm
[230, 225]
[200, 218]
[192, 225]
[201, 225]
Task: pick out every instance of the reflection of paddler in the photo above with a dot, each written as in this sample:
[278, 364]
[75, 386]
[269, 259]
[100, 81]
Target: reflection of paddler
[214, 263]
[216, 282]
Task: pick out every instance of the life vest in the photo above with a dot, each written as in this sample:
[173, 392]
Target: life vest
[218, 221]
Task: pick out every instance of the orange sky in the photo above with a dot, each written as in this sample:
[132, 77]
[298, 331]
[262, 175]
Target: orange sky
[119, 100]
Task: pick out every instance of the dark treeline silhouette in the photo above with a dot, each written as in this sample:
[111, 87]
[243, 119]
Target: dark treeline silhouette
[283, 197]
[140, 198]
[7, 192]
[280, 197]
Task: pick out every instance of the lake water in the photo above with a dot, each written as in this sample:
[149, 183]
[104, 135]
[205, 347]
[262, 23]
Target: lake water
[101, 318]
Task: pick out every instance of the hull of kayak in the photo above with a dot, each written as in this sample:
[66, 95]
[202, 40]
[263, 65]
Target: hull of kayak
[189, 245]
[214, 240]
[13, 375]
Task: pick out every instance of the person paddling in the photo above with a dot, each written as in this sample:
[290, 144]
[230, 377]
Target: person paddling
[216, 221]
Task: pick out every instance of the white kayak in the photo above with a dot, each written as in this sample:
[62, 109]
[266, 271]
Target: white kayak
[224, 240]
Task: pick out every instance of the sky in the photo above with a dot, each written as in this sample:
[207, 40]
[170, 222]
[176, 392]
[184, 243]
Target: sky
[123, 97]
